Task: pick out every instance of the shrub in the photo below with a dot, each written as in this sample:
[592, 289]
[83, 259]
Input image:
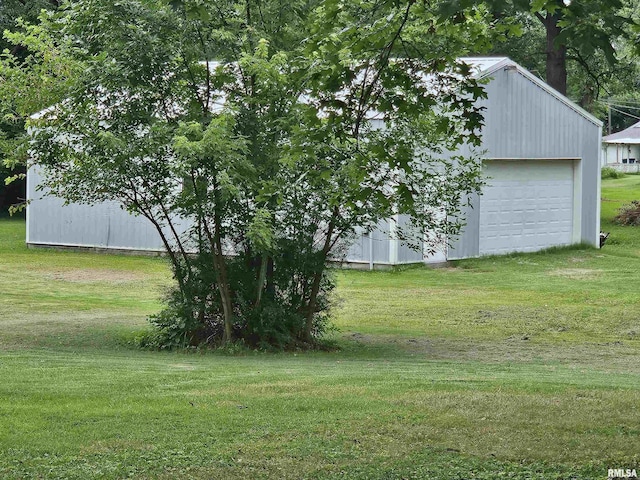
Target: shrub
[193, 314]
[608, 172]
[628, 214]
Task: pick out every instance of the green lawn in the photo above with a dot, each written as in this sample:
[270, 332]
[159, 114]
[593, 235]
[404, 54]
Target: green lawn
[526, 366]
[615, 193]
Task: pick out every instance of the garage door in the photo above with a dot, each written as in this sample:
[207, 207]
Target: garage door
[526, 206]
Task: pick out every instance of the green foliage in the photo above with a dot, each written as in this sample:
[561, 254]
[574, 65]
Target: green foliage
[13, 10]
[256, 145]
[629, 214]
[592, 41]
[193, 313]
[608, 172]
[34, 74]
[274, 326]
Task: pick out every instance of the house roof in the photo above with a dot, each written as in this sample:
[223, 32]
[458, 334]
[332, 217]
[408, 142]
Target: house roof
[486, 66]
[630, 135]
[483, 67]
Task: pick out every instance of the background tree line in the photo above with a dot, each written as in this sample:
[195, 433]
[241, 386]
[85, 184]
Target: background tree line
[12, 126]
[586, 50]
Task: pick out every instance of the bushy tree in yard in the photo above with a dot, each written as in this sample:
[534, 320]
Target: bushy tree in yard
[256, 137]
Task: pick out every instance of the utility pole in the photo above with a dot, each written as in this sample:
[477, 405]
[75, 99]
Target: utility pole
[609, 122]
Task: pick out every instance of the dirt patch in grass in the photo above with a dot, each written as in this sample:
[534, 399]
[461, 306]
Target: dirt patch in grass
[619, 356]
[90, 275]
[182, 366]
[577, 273]
[576, 259]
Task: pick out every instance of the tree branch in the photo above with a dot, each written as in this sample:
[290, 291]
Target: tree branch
[383, 62]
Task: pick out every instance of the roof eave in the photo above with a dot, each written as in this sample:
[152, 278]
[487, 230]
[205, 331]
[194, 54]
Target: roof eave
[623, 141]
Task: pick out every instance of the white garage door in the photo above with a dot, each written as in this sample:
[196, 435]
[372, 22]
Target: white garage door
[526, 206]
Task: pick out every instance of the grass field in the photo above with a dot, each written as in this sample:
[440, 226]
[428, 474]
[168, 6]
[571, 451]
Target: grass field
[520, 367]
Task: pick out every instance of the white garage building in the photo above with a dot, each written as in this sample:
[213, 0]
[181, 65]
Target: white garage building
[543, 187]
[543, 175]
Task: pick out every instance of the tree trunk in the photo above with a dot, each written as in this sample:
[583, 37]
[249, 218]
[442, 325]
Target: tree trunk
[556, 55]
[220, 270]
[262, 277]
[588, 98]
[317, 279]
[271, 286]
[225, 297]
[223, 281]
[219, 262]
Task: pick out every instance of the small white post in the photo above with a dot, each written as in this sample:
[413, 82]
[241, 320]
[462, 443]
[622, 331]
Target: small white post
[394, 222]
[371, 250]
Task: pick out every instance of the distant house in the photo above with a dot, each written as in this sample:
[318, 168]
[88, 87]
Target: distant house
[543, 186]
[621, 150]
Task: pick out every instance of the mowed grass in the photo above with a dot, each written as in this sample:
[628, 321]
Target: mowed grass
[526, 366]
[53, 298]
[615, 193]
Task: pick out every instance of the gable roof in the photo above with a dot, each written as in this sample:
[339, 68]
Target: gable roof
[629, 135]
[487, 66]
[483, 67]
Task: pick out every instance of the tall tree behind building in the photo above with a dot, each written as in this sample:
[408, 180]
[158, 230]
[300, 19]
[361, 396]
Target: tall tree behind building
[10, 126]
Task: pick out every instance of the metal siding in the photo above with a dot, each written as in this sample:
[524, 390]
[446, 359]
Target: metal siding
[591, 189]
[360, 251]
[105, 225]
[523, 121]
[467, 244]
[407, 254]
[381, 243]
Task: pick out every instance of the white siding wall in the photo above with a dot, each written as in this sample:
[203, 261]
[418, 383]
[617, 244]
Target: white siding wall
[50, 222]
[523, 121]
[617, 156]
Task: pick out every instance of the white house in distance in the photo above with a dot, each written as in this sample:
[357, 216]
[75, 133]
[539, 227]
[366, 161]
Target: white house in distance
[621, 150]
[542, 165]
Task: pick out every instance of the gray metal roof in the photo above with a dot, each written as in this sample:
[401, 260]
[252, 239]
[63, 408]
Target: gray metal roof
[486, 66]
[482, 64]
[630, 135]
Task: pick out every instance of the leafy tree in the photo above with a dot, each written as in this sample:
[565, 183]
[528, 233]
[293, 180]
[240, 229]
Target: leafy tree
[589, 78]
[12, 10]
[621, 87]
[265, 130]
[578, 29]
[13, 14]
[584, 32]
